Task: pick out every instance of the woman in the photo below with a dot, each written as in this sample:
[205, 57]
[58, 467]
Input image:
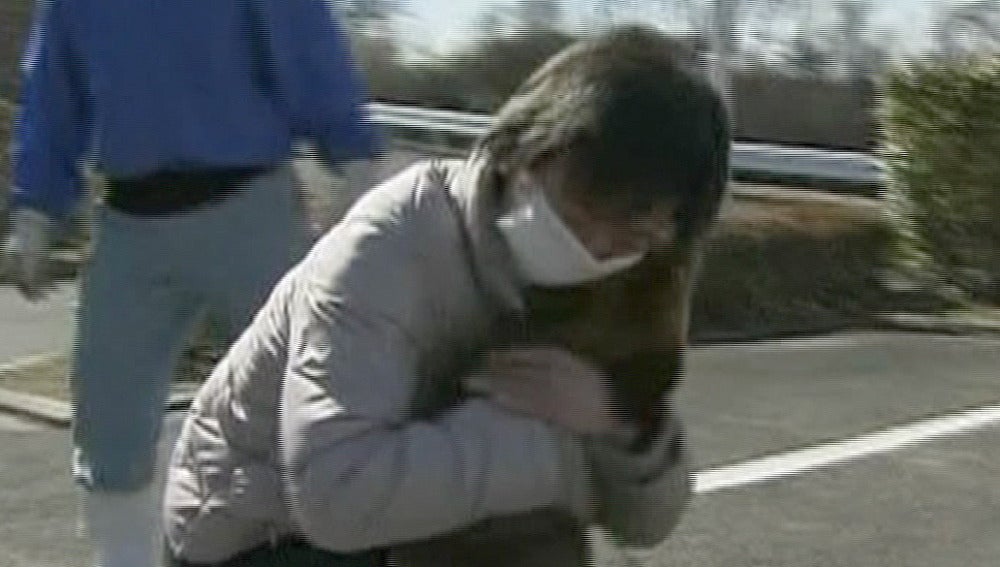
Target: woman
[477, 362]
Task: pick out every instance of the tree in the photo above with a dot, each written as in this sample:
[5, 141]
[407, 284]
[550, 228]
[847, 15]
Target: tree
[809, 57]
[369, 11]
[489, 23]
[511, 42]
[969, 27]
[524, 16]
[374, 42]
[539, 14]
[854, 21]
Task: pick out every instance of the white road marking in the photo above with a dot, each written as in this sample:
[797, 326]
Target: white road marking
[845, 340]
[791, 463]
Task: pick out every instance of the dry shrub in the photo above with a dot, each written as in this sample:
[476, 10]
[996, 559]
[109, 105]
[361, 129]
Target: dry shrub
[782, 262]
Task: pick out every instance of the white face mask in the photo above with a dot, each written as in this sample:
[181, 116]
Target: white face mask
[546, 251]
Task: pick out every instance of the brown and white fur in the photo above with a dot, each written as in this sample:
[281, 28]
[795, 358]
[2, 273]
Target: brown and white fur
[634, 325]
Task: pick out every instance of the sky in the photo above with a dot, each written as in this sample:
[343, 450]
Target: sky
[439, 25]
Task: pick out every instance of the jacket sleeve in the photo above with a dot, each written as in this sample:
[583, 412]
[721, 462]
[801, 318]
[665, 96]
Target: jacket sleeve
[360, 472]
[314, 79]
[642, 496]
[51, 126]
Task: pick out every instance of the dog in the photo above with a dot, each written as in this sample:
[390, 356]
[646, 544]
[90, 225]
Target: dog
[634, 325]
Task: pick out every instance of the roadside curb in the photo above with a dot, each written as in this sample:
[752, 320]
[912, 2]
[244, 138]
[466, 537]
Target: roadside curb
[64, 265]
[40, 408]
[58, 412]
[911, 322]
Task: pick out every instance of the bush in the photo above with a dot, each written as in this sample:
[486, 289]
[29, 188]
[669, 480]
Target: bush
[941, 142]
[783, 262]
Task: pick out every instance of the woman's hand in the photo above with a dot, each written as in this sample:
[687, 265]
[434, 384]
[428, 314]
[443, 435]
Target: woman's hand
[552, 384]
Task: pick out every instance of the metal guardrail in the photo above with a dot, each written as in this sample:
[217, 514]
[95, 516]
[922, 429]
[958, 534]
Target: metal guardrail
[444, 121]
[751, 161]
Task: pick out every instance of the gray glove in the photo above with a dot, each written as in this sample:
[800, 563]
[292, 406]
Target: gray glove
[26, 252]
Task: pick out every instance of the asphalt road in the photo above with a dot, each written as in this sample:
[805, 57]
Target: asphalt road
[928, 503]
[28, 329]
[933, 505]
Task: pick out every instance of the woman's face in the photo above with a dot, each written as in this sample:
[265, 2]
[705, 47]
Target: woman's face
[604, 231]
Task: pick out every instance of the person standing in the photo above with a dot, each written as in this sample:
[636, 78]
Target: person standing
[189, 111]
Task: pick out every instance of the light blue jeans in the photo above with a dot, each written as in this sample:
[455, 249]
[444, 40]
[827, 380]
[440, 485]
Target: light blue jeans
[150, 281]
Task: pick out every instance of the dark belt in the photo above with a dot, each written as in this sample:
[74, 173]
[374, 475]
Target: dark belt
[173, 192]
[293, 552]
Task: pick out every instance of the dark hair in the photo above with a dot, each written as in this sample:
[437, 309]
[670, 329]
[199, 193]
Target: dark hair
[636, 120]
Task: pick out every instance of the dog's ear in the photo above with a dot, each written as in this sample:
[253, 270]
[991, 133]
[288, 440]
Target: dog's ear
[654, 327]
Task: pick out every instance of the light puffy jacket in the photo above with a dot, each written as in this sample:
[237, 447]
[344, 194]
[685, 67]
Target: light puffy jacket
[338, 416]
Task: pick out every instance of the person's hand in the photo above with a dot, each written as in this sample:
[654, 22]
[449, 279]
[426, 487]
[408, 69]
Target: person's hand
[552, 384]
[26, 252]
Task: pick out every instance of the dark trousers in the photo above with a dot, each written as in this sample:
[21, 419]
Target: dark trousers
[293, 553]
